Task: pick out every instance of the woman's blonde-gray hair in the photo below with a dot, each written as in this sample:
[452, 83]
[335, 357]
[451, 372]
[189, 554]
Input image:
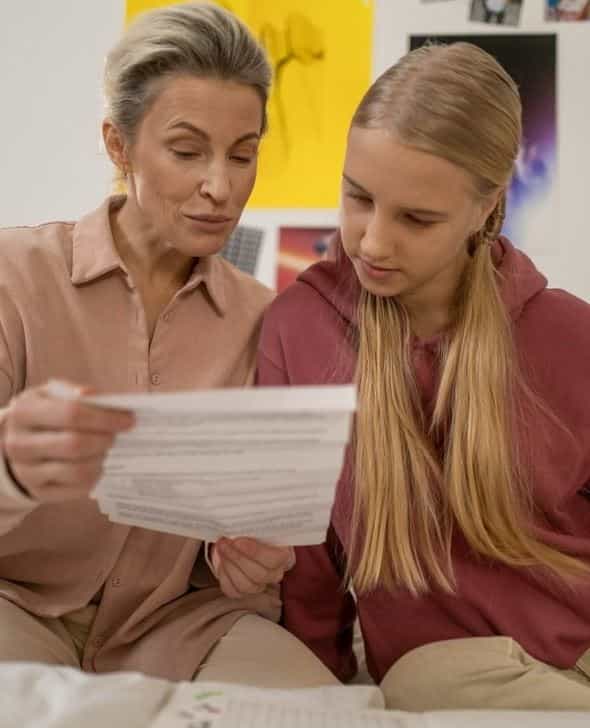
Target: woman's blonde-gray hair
[198, 39]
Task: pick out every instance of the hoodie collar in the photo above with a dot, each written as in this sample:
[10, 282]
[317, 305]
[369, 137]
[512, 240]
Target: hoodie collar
[518, 278]
[94, 255]
[335, 279]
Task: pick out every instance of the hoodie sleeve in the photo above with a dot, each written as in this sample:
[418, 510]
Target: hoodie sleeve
[317, 608]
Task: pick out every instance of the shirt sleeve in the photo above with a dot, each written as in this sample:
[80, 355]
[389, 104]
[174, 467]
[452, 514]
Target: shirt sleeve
[317, 607]
[15, 504]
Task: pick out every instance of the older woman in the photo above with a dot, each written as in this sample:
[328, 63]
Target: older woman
[133, 298]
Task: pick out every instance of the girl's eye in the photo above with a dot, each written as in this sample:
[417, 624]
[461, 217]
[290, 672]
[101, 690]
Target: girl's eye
[418, 221]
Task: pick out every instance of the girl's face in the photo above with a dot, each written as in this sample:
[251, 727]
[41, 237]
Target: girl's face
[406, 217]
[192, 164]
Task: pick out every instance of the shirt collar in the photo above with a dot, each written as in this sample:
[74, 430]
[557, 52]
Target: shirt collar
[210, 271]
[94, 255]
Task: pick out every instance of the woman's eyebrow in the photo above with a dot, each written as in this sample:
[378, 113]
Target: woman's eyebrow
[203, 134]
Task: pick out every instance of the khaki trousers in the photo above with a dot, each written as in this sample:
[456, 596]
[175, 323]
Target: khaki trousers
[254, 652]
[258, 652]
[483, 672]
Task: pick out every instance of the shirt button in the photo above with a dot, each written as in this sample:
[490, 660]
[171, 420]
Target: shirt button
[98, 640]
[166, 317]
[155, 379]
[116, 581]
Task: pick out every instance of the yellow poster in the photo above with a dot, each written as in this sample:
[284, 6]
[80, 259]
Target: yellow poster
[320, 51]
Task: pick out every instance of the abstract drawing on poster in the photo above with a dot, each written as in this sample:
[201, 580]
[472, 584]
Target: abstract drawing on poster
[321, 57]
[532, 215]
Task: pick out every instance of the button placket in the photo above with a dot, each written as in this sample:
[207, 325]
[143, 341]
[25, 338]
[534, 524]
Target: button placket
[139, 345]
[98, 640]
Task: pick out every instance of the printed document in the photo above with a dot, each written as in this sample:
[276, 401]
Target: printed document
[251, 462]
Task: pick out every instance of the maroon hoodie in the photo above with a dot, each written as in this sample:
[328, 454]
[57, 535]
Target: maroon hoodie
[306, 340]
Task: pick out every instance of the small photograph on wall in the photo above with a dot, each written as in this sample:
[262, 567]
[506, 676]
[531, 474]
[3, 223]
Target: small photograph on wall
[300, 247]
[243, 248]
[500, 12]
[567, 10]
[531, 220]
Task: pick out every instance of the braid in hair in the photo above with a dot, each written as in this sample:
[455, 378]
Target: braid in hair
[491, 229]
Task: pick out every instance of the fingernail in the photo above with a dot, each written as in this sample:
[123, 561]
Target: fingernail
[245, 545]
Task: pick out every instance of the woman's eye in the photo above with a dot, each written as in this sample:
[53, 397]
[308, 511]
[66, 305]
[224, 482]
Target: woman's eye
[360, 198]
[181, 154]
[240, 159]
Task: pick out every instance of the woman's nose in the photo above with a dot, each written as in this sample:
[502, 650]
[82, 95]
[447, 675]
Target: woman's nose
[216, 183]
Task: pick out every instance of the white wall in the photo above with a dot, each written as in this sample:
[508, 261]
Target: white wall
[51, 55]
[52, 167]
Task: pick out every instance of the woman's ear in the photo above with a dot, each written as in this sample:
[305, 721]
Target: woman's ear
[115, 146]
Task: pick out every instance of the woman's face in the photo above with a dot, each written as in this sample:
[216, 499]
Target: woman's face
[192, 163]
[406, 217]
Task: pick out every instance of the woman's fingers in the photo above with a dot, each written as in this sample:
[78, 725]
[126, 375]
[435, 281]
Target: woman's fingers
[39, 446]
[55, 447]
[235, 583]
[58, 481]
[248, 566]
[35, 409]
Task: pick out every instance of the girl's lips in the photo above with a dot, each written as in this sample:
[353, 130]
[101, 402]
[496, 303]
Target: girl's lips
[374, 271]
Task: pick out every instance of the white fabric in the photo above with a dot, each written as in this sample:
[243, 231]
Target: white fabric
[496, 6]
[42, 696]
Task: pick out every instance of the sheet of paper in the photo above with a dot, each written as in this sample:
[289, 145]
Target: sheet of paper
[198, 706]
[245, 462]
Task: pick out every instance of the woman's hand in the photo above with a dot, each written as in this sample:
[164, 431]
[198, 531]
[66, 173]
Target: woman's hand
[246, 566]
[54, 448]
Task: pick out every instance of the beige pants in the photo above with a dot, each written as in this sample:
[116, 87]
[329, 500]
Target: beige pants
[260, 653]
[483, 672]
[254, 652]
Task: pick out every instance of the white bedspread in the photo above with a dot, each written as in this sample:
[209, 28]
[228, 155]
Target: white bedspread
[39, 696]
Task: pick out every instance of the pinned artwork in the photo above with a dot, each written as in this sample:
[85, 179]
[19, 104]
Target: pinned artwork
[300, 247]
[321, 57]
[532, 216]
[499, 12]
[243, 248]
[567, 10]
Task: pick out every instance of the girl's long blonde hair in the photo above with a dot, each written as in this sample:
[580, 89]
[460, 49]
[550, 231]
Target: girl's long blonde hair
[458, 103]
